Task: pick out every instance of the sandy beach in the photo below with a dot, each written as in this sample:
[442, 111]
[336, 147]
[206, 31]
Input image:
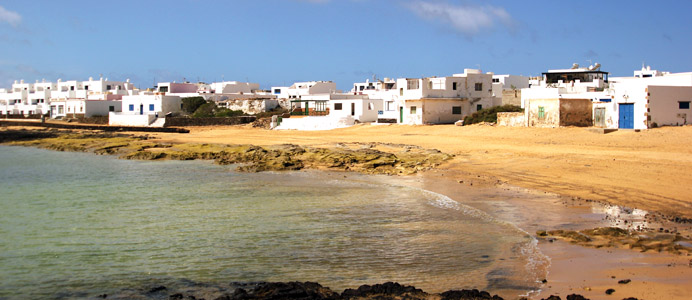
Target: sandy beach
[543, 179]
[648, 170]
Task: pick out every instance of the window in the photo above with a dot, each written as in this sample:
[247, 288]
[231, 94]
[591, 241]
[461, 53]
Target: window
[111, 108]
[151, 107]
[86, 87]
[371, 106]
[454, 86]
[72, 88]
[277, 91]
[108, 87]
[60, 109]
[479, 86]
[163, 89]
[684, 105]
[413, 110]
[338, 106]
[456, 110]
[479, 107]
[412, 84]
[401, 91]
[131, 107]
[541, 113]
[496, 80]
[81, 109]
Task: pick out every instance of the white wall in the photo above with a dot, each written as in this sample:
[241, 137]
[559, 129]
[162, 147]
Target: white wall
[120, 119]
[162, 104]
[665, 108]
[365, 109]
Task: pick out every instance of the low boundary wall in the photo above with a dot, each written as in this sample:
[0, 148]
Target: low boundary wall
[184, 121]
[93, 127]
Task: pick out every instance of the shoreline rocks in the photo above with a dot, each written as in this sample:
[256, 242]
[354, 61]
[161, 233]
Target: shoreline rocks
[301, 291]
[372, 158]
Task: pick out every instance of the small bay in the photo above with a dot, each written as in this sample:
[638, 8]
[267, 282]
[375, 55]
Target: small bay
[79, 224]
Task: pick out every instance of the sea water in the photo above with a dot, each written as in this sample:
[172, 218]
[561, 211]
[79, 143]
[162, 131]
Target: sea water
[76, 224]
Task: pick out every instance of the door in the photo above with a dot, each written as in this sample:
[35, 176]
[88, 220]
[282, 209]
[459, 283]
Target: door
[599, 117]
[626, 120]
[353, 109]
[401, 114]
[141, 109]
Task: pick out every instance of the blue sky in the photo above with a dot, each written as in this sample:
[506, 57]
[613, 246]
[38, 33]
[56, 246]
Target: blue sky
[277, 42]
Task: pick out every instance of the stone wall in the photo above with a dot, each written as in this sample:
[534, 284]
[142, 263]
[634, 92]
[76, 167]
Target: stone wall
[252, 106]
[512, 97]
[511, 119]
[576, 112]
[184, 121]
[20, 116]
[551, 113]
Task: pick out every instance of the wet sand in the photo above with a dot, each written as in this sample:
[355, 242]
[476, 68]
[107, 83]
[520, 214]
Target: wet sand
[574, 269]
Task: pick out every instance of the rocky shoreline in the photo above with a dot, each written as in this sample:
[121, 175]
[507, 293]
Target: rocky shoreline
[370, 158]
[305, 291]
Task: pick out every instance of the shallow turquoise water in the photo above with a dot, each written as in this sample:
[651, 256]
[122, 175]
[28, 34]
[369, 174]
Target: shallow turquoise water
[82, 224]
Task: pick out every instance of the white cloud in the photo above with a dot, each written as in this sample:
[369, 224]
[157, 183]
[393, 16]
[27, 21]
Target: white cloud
[10, 17]
[466, 19]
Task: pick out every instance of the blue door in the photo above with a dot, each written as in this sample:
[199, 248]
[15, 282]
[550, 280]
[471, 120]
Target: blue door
[626, 115]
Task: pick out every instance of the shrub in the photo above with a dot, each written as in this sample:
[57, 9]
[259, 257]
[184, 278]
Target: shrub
[205, 110]
[210, 110]
[225, 112]
[490, 114]
[276, 111]
[191, 104]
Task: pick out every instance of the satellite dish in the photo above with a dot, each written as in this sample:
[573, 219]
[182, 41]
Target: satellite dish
[575, 66]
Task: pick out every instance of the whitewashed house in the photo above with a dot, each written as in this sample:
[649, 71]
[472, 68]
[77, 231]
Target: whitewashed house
[507, 89]
[384, 90]
[145, 110]
[88, 98]
[443, 100]
[648, 99]
[564, 97]
[299, 89]
[25, 99]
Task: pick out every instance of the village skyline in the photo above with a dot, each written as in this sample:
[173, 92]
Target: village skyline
[276, 43]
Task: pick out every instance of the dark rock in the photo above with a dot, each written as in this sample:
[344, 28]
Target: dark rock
[157, 289]
[544, 281]
[286, 290]
[468, 295]
[553, 297]
[176, 297]
[576, 297]
[624, 281]
[630, 298]
[104, 296]
[385, 289]
[610, 291]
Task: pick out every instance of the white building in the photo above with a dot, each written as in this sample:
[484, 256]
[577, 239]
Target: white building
[648, 99]
[299, 89]
[507, 88]
[440, 100]
[145, 110]
[64, 97]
